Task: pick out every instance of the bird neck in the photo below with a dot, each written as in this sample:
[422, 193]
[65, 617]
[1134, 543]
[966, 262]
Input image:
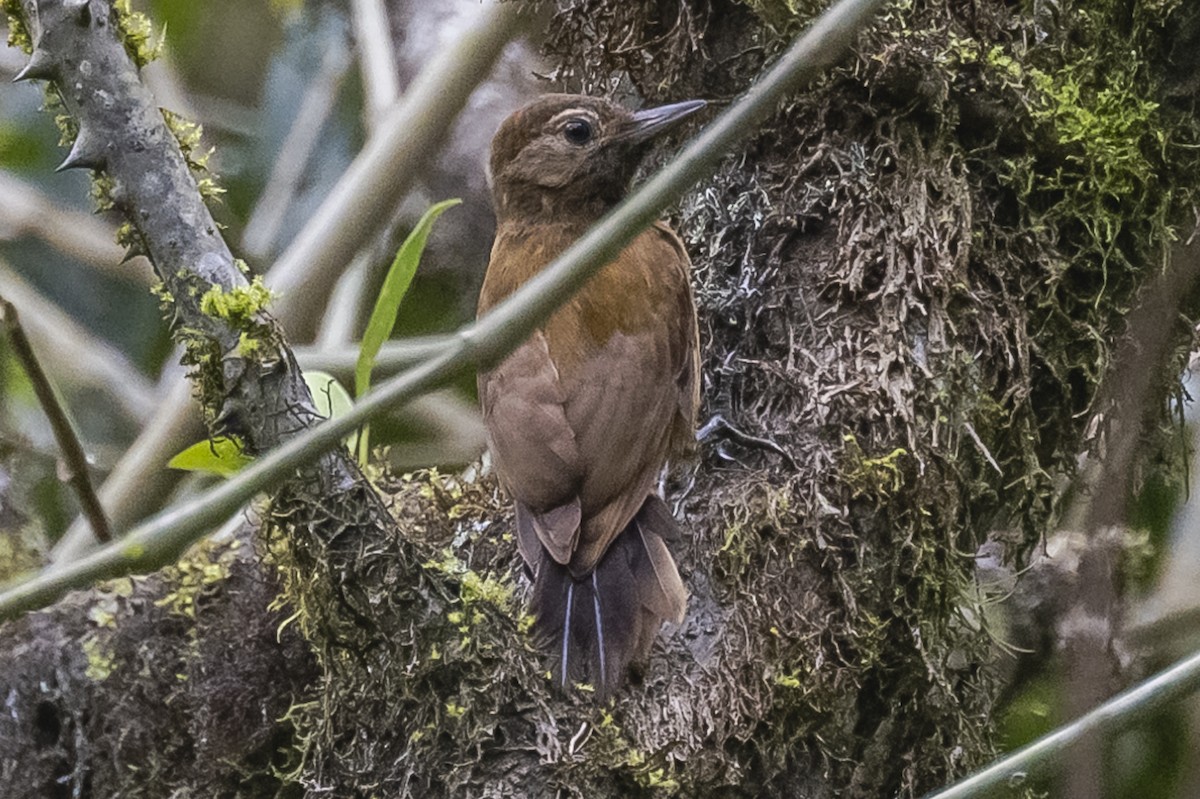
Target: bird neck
[572, 206]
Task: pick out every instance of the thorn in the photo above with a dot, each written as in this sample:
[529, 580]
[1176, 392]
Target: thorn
[81, 7]
[133, 252]
[40, 67]
[85, 153]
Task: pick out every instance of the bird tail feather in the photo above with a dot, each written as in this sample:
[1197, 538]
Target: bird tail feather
[600, 624]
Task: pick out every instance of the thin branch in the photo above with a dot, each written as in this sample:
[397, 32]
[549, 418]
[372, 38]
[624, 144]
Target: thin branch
[262, 229]
[78, 356]
[362, 201]
[163, 538]
[394, 356]
[73, 464]
[377, 58]
[1122, 711]
[26, 211]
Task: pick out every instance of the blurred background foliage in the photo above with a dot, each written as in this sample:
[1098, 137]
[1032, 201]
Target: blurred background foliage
[252, 74]
[245, 69]
[1159, 558]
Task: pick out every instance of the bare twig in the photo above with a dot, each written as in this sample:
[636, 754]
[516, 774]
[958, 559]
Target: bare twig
[76, 355]
[262, 229]
[25, 211]
[377, 58]
[73, 465]
[394, 356]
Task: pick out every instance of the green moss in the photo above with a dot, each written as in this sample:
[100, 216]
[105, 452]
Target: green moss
[248, 346]
[194, 575]
[128, 236]
[137, 33]
[239, 306]
[474, 592]
[68, 128]
[189, 136]
[1112, 138]
[101, 191]
[878, 477]
[202, 355]
[18, 34]
[100, 661]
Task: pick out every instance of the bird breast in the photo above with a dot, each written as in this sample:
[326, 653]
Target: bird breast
[588, 408]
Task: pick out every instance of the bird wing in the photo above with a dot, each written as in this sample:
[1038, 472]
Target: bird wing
[534, 447]
[624, 398]
[686, 347]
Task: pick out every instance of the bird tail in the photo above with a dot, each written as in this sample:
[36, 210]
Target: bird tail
[597, 625]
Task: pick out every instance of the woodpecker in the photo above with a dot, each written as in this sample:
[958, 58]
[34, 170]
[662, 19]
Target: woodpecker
[583, 416]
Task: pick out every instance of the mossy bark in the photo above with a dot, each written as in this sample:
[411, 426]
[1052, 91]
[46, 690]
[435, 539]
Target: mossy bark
[910, 282]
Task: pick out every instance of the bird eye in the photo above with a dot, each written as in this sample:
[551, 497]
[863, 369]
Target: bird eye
[578, 131]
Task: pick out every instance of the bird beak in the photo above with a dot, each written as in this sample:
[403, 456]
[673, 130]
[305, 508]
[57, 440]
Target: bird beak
[649, 122]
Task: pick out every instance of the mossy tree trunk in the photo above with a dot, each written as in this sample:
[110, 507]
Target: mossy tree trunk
[910, 285]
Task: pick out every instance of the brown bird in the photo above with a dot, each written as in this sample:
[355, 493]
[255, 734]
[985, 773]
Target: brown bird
[582, 417]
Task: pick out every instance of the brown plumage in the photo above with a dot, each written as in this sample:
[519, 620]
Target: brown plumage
[582, 417]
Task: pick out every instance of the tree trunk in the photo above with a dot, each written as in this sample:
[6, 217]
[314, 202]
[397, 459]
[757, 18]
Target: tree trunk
[910, 282]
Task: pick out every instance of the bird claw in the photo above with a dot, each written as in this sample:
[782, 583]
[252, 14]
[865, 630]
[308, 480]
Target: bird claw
[719, 424]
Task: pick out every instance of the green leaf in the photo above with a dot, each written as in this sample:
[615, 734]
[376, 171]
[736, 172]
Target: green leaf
[330, 396]
[383, 318]
[223, 456]
[331, 399]
[220, 456]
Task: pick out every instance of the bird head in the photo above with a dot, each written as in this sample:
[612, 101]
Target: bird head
[567, 156]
